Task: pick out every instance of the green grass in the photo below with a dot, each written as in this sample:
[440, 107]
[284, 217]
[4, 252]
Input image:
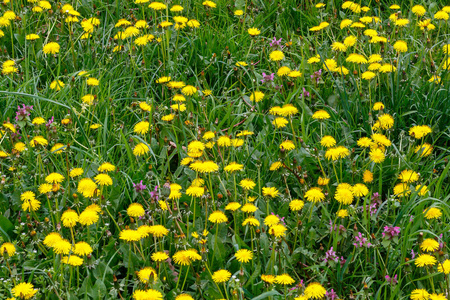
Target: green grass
[206, 58]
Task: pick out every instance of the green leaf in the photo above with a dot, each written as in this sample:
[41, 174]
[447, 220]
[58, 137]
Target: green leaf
[102, 270]
[344, 268]
[385, 243]
[239, 4]
[129, 151]
[254, 275]
[6, 228]
[219, 250]
[99, 290]
[266, 295]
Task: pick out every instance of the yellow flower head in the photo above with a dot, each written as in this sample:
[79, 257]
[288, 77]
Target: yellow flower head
[243, 255]
[221, 276]
[51, 48]
[253, 31]
[425, 260]
[218, 217]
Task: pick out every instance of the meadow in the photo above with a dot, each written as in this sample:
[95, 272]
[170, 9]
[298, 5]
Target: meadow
[247, 149]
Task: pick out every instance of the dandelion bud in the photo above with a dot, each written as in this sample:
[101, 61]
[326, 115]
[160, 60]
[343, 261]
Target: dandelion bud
[420, 238]
[131, 220]
[32, 233]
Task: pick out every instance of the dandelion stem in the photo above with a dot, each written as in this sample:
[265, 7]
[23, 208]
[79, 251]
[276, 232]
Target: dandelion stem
[10, 272]
[226, 291]
[128, 269]
[380, 181]
[185, 277]
[209, 271]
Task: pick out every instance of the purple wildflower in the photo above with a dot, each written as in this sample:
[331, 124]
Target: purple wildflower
[441, 244]
[267, 77]
[331, 295]
[392, 280]
[139, 187]
[275, 43]
[305, 93]
[341, 228]
[50, 122]
[155, 194]
[15, 135]
[413, 255]
[373, 209]
[390, 232]
[376, 198]
[278, 87]
[342, 262]
[23, 112]
[331, 255]
[361, 241]
[316, 76]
